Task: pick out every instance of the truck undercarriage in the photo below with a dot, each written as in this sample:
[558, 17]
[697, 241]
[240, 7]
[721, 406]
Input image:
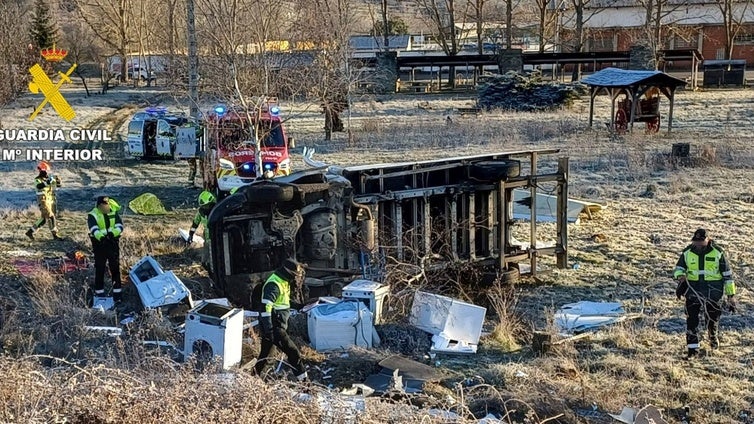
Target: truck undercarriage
[344, 223]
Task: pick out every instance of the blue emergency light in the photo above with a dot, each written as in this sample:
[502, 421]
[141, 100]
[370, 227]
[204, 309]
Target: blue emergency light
[156, 110]
[267, 166]
[220, 110]
[274, 111]
[247, 166]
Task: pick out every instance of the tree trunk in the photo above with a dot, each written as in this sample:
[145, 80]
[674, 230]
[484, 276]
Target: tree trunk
[542, 24]
[509, 24]
[83, 81]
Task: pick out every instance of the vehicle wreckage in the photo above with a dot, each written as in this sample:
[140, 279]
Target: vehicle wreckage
[344, 222]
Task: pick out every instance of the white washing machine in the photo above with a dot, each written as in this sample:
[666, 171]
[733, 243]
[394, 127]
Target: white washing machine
[214, 330]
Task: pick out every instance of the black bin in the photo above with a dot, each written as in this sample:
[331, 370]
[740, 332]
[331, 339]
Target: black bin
[724, 73]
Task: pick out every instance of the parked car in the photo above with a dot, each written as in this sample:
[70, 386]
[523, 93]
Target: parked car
[139, 73]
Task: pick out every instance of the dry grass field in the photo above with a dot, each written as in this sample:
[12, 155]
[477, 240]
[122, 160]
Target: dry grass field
[56, 371]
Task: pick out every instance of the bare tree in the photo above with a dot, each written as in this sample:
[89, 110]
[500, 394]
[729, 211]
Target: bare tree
[662, 18]
[16, 54]
[581, 12]
[329, 23]
[733, 13]
[237, 34]
[478, 15]
[82, 47]
[548, 14]
[442, 15]
[112, 23]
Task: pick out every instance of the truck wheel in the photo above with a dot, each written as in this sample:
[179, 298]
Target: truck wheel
[496, 170]
[269, 193]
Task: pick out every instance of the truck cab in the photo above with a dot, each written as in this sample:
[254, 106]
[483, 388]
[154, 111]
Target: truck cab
[231, 136]
[152, 134]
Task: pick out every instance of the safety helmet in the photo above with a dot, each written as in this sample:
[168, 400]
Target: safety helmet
[43, 166]
[205, 198]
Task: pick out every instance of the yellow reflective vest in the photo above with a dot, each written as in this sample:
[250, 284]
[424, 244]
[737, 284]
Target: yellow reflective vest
[708, 268]
[277, 297]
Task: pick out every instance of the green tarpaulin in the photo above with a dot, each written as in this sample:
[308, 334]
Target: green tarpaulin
[147, 204]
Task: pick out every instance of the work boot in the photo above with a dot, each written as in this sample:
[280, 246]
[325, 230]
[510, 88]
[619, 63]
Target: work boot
[30, 234]
[714, 343]
[692, 353]
[117, 297]
[55, 236]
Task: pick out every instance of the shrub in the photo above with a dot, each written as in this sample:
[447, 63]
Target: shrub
[514, 91]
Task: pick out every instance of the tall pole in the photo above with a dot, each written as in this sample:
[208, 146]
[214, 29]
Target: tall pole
[193, 62]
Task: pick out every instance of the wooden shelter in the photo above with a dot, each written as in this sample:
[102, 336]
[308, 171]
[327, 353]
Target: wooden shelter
[641, 90]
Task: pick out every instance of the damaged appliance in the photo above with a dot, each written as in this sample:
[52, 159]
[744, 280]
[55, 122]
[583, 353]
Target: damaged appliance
[340, 325]
[370, 293]
[214, 330]
[157, 287]
[455, 325]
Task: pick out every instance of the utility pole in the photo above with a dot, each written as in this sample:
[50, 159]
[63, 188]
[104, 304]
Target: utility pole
[193, 62]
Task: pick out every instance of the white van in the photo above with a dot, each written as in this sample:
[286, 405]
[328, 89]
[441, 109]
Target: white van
[154, 134]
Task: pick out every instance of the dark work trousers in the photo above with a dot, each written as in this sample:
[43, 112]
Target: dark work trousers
[283, 341]
[711, 307]
[106, 255]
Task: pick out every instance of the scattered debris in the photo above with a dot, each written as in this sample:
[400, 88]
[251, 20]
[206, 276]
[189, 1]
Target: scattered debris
[196, 240]
[593, 416]
[73, 261]
[336, 408]
[103, 303]
[547, 207]
[157, 287]
[402, 375]
[647, 415]
[214, 330]
[442, 343]
[457, 324]
[326, 300]
[127, 320]
[111, 331]
[365, 390]
[584, 315]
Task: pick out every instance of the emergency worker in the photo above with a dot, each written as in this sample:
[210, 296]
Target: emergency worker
[207, 202]
[105, 228]
[45, 184]
[275, 310]
[194, 163]
[703, 276]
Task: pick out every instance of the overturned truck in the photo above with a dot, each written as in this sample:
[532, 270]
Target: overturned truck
[346, 222]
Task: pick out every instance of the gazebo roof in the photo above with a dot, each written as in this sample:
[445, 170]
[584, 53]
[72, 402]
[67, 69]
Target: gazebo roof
[620, 78]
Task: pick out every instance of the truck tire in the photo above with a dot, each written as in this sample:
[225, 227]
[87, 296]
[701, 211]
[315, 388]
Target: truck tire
[266, 193]
[496, 170]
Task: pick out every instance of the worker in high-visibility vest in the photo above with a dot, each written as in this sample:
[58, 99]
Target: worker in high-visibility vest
[207, 201]
[703, 276]
[105, 228]
[273, 321]
[45, 183]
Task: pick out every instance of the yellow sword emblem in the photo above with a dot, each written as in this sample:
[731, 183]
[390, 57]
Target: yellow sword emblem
[41, 82]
